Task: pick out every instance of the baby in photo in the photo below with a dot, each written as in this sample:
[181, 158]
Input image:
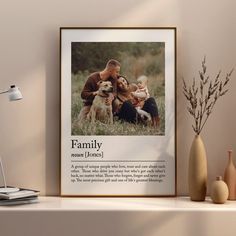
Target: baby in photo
[140, 96]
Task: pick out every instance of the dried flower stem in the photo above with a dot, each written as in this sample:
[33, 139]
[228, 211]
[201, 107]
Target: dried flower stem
[201, 106]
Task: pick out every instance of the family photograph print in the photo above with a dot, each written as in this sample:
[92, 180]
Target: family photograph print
[118, 88]
[118, 111]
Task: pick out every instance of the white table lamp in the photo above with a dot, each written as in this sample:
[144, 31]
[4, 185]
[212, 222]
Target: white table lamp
[14, 94]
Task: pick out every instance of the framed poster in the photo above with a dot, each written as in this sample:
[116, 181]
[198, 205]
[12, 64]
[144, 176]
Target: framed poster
[118, 119]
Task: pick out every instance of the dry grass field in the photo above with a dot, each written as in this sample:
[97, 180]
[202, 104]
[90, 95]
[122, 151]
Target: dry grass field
[156, 86]
[136, 58]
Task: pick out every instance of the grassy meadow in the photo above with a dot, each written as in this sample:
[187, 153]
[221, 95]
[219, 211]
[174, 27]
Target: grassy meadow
[156, 90]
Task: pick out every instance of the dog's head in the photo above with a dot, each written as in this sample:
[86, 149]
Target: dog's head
[105, 87]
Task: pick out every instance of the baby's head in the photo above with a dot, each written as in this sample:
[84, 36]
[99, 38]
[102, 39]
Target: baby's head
[142, 81]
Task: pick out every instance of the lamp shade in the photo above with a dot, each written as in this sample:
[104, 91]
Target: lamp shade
[14, 93]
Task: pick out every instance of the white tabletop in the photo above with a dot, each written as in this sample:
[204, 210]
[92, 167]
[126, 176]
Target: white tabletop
[121, 204]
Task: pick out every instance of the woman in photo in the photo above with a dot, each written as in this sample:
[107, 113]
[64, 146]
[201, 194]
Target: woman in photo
[124, 105]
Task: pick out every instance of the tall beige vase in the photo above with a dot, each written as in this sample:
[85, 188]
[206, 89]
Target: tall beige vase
[197, 172]
[230, 177]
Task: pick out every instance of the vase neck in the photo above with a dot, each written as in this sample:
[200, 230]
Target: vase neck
[198, 137]
[230, 156]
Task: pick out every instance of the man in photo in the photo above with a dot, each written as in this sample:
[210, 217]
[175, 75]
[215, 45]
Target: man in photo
[90, 90]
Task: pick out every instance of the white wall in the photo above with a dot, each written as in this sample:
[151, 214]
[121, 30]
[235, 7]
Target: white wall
[29, 57]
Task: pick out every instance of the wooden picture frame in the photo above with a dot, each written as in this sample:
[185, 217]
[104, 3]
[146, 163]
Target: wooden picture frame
[116, 143]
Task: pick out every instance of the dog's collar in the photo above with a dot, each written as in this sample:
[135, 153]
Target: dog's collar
[119, 99]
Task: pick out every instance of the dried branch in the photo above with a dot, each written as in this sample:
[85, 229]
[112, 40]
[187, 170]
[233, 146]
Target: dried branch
[202, 103]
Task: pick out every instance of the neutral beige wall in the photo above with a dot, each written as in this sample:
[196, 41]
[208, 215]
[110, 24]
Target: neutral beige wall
[29, 57]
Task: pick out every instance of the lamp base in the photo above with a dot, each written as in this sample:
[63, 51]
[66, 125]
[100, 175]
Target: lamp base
[9, 190]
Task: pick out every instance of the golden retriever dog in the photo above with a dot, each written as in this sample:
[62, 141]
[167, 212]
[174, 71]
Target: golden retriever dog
[100, 109]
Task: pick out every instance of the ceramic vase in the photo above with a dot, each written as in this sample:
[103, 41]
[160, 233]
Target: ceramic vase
[230, 177]
[197, 172]
[219, 191]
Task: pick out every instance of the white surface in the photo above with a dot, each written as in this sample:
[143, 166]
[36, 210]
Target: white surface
[122, 204]
[118, 217]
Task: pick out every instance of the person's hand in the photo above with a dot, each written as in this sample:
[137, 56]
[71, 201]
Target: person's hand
[132, 94]
[95, 93]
